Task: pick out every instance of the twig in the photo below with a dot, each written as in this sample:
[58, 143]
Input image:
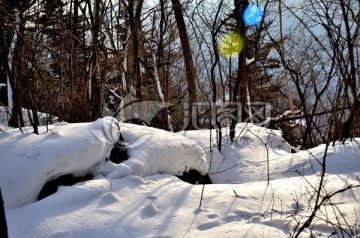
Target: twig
[211, 157]
[236, 193]
[219, 172]
[320, 201]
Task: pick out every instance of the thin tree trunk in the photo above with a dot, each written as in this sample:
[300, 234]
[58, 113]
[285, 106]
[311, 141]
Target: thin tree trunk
[351, 77]
[13, 44]
[11, 95]
[76, 80]
[14, 84]
[241, 76]
[134, 70]
[97, 84]
[213, 78]
[189, 63]
[135, 22]
[62, 115]
[3, 59]
[162, 75]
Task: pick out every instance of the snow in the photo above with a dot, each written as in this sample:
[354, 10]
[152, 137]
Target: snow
[248, 100]
[10, 94]
[27, 166]
[249, 61]
[4, 115]
[28, 161]
[141, 197]
[149, 156]
[249, 147]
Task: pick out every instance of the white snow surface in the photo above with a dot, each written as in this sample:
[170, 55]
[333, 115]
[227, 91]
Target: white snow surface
[140, 197]
[154, 151]
[249, 146]
[28, 160]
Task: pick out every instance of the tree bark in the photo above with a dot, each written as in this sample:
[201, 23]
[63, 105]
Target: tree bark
[189, 63]
[241, 76]
[162, 75]
[14, 69]
[214, 32]
[97, 82]
[351, 77]
[135, 28]
[3, 59]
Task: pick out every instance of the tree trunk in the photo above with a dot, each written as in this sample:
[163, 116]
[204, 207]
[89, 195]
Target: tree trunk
[134, 69]
[135, 28]
[3, 225]
[97, 82]
[351, 79]
[189, 63]
[14, 71]
[161, 64]
[79, 98]
[213, 78]
[3, 59]
[241, 76]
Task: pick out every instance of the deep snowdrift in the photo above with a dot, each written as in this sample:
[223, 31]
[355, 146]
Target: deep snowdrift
[123, 201]
[28, 161]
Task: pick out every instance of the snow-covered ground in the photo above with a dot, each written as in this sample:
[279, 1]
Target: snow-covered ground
[141, 197]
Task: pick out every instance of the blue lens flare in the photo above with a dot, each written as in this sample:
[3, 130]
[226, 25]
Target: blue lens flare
[253, 14]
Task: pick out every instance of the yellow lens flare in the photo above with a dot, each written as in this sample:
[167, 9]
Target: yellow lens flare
[231, 44]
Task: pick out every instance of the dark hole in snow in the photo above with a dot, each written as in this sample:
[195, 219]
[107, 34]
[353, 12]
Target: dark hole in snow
[65, 180]
[195, 177]
[119, 153]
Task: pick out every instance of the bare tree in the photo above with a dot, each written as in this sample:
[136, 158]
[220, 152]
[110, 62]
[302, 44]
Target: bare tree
[14, 13]
[96, 81]
[322, 68]
[241, 76]
[187, 54]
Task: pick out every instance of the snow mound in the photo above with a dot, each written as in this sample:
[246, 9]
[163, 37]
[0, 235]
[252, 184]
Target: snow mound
[245, 159]
[202, 138]
[339, 160]
[28, 161]
[248, 134]
[154, 151]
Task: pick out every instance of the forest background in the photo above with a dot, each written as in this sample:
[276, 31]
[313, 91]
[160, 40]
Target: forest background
[77, 60]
